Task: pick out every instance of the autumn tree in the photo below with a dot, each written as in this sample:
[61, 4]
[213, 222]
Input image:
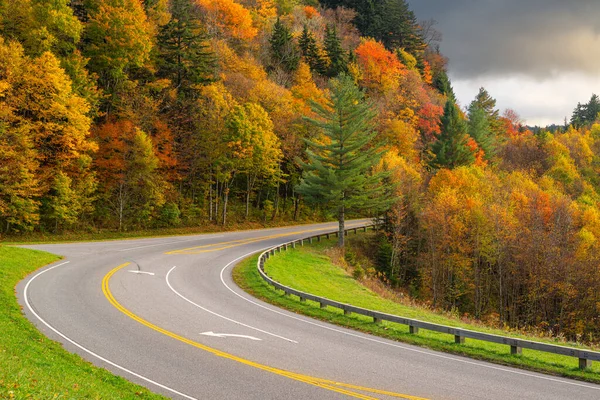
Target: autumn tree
[253, 148]
[130, 185]
[19, 183]
[380, 69]
[227, 19]
[338, 174]
[118, 38]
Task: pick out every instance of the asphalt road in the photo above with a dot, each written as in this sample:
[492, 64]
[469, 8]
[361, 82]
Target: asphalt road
[159, 311]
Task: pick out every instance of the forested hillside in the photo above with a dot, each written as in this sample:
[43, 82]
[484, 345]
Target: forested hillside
[129, 114]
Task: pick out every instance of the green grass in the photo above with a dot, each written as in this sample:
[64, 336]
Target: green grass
[34, 367]
[307, 269]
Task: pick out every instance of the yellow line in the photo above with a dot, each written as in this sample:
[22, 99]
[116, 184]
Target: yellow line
[226, 245]
[338, 387]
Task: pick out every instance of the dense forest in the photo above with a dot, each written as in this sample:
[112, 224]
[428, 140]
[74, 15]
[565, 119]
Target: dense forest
[129, 114]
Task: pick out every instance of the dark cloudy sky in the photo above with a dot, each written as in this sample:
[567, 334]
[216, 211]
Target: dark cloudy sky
[539, 57]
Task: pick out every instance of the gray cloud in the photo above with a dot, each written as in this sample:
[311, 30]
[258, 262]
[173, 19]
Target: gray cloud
[540, 39]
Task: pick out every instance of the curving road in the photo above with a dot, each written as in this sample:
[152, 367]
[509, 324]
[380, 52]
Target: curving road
[165, 313]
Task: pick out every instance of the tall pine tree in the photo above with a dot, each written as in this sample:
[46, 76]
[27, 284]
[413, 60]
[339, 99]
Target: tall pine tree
[338, 58]
[451, 148]
[311, 52]
[185, 56]
[338, 174]
[284, 52]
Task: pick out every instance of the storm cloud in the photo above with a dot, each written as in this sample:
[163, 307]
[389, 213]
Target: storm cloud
[537, 38]
[539, 57]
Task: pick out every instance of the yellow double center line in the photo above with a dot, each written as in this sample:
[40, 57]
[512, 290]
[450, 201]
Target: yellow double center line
[234, 243]
[338, 387]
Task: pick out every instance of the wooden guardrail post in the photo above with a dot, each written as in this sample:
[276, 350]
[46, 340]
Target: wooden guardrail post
[584, 363]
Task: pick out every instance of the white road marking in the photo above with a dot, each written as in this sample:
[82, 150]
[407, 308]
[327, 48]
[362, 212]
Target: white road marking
[393, 344]
[141, 272]
[219, 315]
[166, 243]
[226, 335]
[85, 349]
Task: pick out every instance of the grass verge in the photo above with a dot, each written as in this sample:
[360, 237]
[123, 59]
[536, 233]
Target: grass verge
[309, 270]
[34, 367]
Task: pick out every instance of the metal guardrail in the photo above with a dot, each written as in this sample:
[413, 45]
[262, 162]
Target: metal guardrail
[516, 345]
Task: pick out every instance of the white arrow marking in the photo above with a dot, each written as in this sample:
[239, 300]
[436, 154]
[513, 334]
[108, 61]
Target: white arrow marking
[225, 335]
[141, 272]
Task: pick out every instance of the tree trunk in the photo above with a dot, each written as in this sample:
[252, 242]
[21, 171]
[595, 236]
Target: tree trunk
[210, 202]
[341, 227]
[247, 196]
[296, 207]
[225, 199]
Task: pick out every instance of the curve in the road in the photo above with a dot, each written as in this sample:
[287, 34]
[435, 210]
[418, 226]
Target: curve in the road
[152, 318]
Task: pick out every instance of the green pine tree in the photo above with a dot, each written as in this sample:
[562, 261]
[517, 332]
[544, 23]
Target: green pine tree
[479, 130]
[487, 103]
[338, 174]
[338, 58]
[185, 56]
[284, 52]
[451, 148]
[311, 52]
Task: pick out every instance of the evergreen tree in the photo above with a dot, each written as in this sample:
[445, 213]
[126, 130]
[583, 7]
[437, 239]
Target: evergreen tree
[311, 52]
[185, 56]
[593, 109]
[442, 83]
[388, 21]
[579, 115]
[479, 130]
[585, 114]
[338, 58]
[284, 52]
[487, 103]
[451, 148]
[338, 172]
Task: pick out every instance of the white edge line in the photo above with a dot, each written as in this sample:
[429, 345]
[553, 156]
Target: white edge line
[219, 315]
[89, 351]
[433, 354]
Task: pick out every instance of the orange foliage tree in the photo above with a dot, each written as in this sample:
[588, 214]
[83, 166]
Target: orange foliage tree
[380, 69]
[226, 18]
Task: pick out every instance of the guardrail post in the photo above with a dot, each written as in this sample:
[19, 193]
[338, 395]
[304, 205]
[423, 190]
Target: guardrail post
[302, 300]
[516, 350]
[377, 320]
[347, 312]
[310, 240]
[327, 234]
[318, 238]
[293, 245]
[413, 329]
[355, 231]
[364, 228]
[459, 339]
[323, 305]
[301, 242]
[584, 363]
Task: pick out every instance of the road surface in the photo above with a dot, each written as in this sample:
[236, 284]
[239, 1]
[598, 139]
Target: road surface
[164, 313]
